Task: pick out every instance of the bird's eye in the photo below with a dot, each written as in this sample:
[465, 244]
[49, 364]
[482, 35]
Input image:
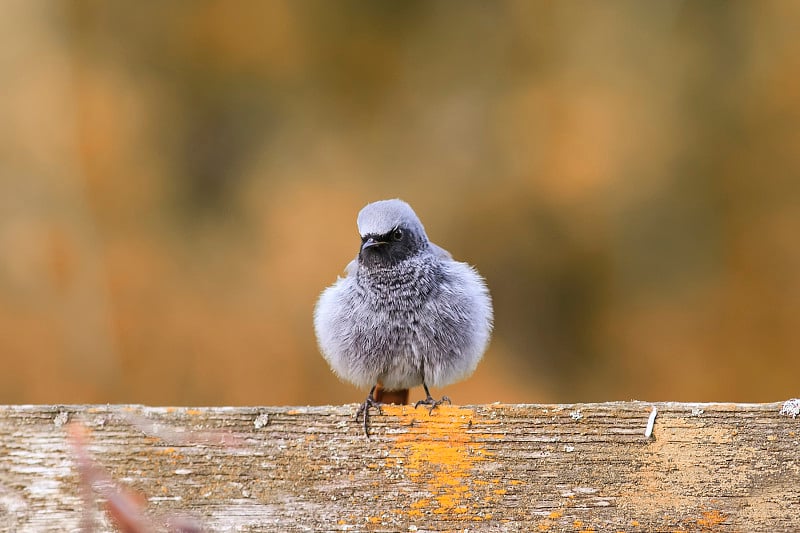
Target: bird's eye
[397, 234]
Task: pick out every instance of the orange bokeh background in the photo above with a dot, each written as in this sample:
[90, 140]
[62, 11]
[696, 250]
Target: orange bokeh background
[180, 180]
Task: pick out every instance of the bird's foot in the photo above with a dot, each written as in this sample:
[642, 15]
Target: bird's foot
[432, 403]
[364, 408]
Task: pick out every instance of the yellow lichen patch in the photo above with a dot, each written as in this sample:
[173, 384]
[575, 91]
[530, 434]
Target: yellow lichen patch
[419, 504]
[194, 412]
[449, 500]
[439, 452]
[165, 451]
[550, 520]
[711, 519]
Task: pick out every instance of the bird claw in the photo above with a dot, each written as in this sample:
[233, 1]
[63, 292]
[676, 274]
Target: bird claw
[433, 403]
[364, 408]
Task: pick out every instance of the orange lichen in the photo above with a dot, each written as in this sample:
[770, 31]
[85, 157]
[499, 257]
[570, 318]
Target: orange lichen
[711, 519]
[555, 515]
[420, 503]
[438, 452]
[164, 451]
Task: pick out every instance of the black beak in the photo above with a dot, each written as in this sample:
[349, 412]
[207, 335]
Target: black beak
[370, 242]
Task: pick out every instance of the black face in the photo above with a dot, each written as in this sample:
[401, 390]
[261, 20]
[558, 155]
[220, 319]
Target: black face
[389, 248]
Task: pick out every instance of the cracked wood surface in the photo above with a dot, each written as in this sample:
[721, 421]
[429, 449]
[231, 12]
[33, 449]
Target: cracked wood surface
[581, 467]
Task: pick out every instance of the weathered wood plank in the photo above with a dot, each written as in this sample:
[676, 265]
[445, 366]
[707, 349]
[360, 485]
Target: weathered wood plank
[586, 467]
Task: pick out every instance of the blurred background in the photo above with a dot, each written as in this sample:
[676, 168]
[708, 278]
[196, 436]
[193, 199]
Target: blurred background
[180, 180]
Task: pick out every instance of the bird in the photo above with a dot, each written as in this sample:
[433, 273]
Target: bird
[405, 313]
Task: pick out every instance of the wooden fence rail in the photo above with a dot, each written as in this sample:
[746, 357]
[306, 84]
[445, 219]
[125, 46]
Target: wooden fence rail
[582, 467]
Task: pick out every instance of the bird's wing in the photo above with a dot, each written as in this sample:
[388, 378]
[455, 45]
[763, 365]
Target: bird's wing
[351, 267]
[440, 252]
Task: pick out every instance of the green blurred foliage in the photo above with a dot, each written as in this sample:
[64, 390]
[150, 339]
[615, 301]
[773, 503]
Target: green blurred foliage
[179, 181]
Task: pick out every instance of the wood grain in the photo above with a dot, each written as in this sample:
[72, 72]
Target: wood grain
[583, 467]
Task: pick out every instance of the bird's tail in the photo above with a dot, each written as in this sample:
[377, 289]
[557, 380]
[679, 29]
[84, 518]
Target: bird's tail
[390, 396]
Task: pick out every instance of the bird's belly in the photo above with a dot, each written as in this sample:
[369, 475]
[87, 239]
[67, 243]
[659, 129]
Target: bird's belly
[401, 375]
[402, 361]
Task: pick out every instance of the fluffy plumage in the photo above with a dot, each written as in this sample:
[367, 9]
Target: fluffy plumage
[406, 314]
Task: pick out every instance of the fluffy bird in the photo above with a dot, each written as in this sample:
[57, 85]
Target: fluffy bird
[405, 314]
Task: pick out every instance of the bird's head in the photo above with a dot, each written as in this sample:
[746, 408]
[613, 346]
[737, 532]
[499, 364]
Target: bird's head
[390, 232]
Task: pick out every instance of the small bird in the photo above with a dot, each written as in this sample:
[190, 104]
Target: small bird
[405, 314]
